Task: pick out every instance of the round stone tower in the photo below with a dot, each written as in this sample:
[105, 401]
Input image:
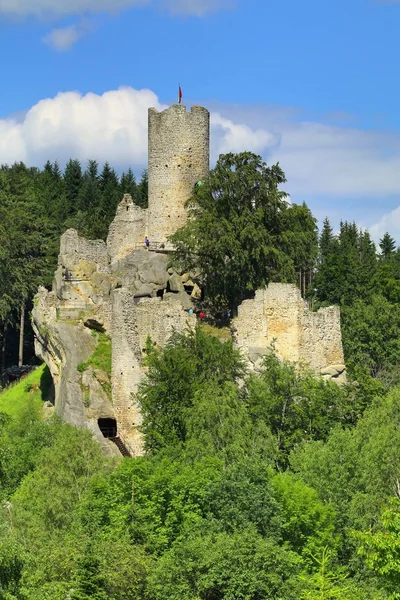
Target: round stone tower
[179, 156]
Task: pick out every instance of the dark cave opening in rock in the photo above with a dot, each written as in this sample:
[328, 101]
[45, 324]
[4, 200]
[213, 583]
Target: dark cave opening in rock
[108, 427]
[189, 289]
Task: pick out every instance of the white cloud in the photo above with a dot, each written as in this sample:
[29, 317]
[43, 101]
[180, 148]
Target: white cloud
[320, 160]
[50, 9]
[109, 127]
[197, 8]
[237, 137]
[63, 38]
[389, 222]
[62, 8]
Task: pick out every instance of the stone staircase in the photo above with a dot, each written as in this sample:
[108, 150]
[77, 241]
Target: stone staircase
[120, 445]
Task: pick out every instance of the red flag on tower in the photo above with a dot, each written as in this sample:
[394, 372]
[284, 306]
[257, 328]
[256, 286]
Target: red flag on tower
[180, 95]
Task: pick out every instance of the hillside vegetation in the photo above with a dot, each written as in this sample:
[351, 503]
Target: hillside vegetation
[275, 485]
[31, 389]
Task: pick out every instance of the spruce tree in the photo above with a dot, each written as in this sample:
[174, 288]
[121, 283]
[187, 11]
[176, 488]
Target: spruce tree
[387, 245]
[110, 193]
[128, 185]
[89, 193]
[89, 581]
[73, 179]
[143, 191]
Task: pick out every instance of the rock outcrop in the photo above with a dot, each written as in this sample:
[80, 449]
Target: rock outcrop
[101, 297]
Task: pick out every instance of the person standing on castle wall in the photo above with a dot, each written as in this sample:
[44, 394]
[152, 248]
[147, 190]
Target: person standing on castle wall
[146, 241]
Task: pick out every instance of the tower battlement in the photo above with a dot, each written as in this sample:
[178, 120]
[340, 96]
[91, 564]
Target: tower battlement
[179, 155]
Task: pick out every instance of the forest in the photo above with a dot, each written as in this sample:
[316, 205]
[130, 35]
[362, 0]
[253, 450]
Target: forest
[36, 207]
[275, 485]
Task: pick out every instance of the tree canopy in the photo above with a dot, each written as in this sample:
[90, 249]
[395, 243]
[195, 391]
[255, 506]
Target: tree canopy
[242, 232]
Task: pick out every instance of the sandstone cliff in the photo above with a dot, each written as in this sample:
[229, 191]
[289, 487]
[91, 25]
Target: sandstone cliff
[103, 296]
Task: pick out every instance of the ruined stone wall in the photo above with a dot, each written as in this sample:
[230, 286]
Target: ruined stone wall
[74, 248]
[320, 338]
[83, 279]
[132, 323]
[178, 158]
[127, 230]
[278, 314]
[126, 369]
[160, 318]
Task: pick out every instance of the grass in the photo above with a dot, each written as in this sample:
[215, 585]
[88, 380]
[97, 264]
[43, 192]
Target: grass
[27, 389]
[222, 333]
[101, 357]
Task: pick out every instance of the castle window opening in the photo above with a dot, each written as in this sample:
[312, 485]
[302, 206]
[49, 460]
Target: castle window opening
[108, 427]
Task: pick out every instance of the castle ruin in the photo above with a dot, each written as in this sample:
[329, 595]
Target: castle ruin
[178, 157]
[125, 292]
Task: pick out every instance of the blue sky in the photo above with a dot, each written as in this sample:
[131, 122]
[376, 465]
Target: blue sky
[312, 84]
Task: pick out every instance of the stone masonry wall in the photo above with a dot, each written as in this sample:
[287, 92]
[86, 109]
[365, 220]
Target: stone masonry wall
[74, 248]
[278, 313]
[178, 158]
[320, 338]
[126, 370]
[132, 323]
[160, 318]
[127, 230]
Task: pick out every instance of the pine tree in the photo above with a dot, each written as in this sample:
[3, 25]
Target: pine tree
[143, 191]
[89, 581]
[110, 192]
[89, 193]
[387, 245]
[73, 179]
[50, 190]
[128, 185]
[326, 241]
[328, 270]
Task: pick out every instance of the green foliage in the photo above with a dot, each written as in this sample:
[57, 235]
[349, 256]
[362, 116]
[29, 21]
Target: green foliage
[27, 390]
[387, 246]
[209, 513]
[188, 363]
[295, 405]
[11, 567]
[101, 357]
[240, 566]
[218, 424]
[329, 583]
[90, 584]
[308, 525]
[356, 470]
[371, 337]
[241, 232]
[347, 265]
[381, 548]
